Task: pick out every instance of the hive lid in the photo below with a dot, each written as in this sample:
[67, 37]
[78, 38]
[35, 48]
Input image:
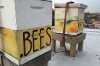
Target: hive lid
[62, 5]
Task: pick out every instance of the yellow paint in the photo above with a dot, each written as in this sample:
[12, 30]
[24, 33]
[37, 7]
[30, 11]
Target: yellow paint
[13, 42]
[8, 42]
[72, 26]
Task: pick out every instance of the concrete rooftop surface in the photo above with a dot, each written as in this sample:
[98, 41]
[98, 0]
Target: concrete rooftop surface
[90, 56]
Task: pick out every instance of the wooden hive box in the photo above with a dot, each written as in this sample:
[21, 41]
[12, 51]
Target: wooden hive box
[25, 29]
[74, 19]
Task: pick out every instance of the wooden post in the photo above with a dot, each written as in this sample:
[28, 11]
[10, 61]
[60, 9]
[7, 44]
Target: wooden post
[61, 44]
[80, 46]
[53, 45]
[72, 50]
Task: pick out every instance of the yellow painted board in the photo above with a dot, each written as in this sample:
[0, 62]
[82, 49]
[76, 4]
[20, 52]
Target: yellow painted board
[8, 41]
[23, 43]
[72, 26]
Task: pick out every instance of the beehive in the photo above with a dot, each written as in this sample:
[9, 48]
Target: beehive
[75, 18]
[25, 29]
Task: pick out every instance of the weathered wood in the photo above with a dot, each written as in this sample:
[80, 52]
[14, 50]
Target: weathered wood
[57, 36]
[46, 64]
[53, 45]
[73, 40]
[72, 50]
[80, 37]
[68, 38]
[61, 44]
[80, 46]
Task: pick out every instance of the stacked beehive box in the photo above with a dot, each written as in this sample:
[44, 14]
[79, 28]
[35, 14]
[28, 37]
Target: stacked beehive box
[74, 19]
[25, 29]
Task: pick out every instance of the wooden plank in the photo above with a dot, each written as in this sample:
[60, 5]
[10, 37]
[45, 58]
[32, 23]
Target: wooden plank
[46, 64]
[80, 37]
[69, 39]
[57, 36]
[73, 39]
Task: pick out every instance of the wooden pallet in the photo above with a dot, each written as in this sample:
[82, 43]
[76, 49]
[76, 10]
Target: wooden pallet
[72, 40]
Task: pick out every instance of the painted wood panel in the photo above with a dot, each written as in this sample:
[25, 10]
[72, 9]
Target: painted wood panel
[73, 13]
[72, 26]
[23, 43]
[25, 14]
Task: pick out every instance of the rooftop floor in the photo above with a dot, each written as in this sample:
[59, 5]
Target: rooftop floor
[90, 56]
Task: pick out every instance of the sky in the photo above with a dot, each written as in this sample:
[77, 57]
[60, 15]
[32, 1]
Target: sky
[93, 5]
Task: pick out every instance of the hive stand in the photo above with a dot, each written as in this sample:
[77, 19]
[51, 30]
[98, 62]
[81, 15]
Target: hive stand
[72, 40]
